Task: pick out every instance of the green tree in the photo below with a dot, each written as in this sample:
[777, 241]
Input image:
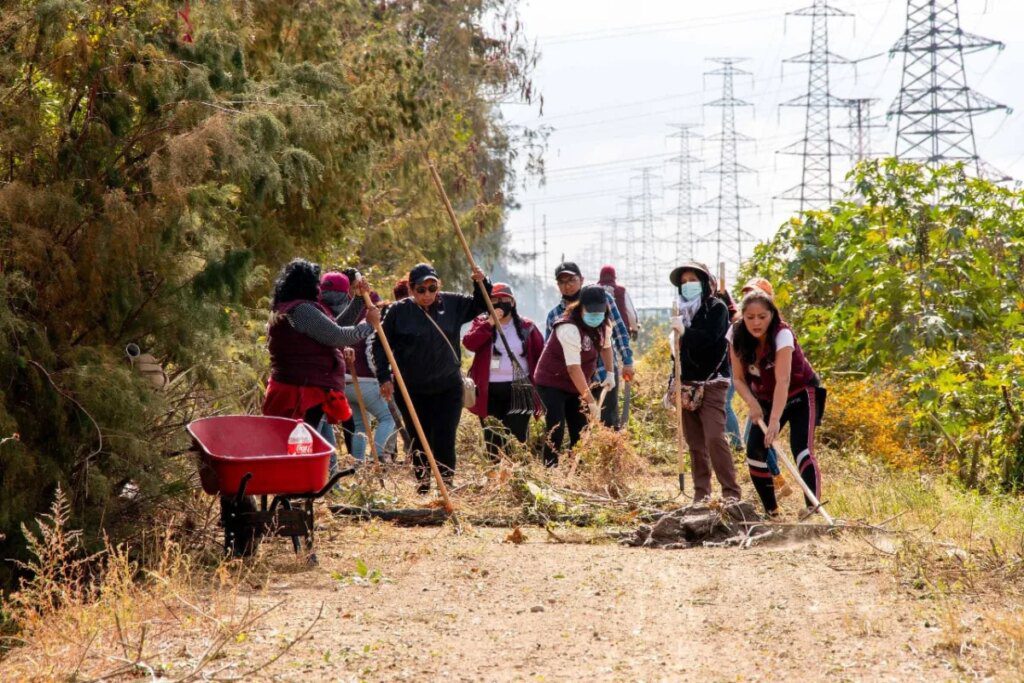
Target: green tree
[919, 275]
[155, 173]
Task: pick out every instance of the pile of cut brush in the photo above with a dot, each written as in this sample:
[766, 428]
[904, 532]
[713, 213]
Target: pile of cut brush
[715, 523]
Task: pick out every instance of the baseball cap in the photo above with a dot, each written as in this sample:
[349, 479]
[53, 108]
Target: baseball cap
[502, 289]
[422, 272]
[334, 282]
[759, 283]
[594, 298]
[567, 267]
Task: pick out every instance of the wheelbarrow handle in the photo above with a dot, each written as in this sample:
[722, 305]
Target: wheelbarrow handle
[332, 481]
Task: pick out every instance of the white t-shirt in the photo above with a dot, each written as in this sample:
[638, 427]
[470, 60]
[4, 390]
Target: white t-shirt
[501, 365]
[572, 342]
[784, 338]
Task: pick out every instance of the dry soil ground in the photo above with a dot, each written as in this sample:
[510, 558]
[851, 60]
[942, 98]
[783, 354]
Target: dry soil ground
[434, 605]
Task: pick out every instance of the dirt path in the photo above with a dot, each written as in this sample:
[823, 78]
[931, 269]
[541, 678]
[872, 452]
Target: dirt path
[472, 607]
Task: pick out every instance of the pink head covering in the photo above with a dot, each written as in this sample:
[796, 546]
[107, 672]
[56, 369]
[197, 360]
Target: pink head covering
[334, 282]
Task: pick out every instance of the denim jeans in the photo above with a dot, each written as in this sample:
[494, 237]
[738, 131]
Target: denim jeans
[732, 423]
[376, 408]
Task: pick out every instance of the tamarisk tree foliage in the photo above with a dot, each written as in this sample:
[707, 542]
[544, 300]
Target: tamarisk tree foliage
[918, 277]
[159, 162]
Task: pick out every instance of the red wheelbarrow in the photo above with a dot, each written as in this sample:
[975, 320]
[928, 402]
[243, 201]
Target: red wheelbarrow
[246, 455]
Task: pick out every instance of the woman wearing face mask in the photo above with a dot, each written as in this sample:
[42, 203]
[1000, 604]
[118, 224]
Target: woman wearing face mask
[779, 386]
[702, 324]
[424, 334]
[569, 358]
[492, 368]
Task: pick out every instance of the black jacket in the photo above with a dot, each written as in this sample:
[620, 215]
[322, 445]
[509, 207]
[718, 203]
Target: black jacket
[703, 349]
[426, 361]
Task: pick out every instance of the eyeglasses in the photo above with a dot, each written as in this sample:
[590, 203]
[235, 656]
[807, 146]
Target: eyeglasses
[423, 290]
[562, 282]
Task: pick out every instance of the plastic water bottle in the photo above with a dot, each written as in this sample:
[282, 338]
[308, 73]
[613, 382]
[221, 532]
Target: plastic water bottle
[300, 441]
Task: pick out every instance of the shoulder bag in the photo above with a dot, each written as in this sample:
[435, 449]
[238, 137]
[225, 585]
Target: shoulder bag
[468, 385]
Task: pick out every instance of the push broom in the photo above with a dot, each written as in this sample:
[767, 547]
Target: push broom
[524, 396]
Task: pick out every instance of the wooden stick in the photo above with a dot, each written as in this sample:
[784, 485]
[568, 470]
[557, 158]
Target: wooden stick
[367, 432]
[472, 262]
[449, 508]
[677, 372]
[791, 468]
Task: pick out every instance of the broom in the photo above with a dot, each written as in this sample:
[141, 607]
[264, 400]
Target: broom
[524, 396]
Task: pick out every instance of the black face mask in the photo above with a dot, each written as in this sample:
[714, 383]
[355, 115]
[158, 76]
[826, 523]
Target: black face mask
[504, 306]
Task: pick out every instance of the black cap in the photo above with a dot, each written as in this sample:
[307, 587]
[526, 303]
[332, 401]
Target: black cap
[594, 298]
[699, 268]
[567, 267]
[421, 272]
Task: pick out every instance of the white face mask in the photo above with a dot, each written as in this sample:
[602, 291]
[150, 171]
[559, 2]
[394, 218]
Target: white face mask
[691, 290]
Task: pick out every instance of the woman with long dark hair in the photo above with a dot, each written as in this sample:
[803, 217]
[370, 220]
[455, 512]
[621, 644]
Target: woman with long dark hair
[423, 331]
[703, 352]
[307, 369]
[779, 387]
[569, 359]
[492, 368]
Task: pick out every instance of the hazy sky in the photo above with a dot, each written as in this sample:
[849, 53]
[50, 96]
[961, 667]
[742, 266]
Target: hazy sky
[614, 75]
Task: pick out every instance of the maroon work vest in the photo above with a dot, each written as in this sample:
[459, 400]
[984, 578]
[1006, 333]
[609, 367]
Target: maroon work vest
[300, 360]
[761, 376]
[551, 370]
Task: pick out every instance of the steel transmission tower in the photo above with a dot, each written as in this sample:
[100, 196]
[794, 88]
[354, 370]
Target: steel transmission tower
[729, 234]
[935, 108]
[817, 147]
[860, 126]
[684, 210]
[647, 262]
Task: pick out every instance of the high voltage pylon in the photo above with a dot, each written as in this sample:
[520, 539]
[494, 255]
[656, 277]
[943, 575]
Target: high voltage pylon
[728, 204]
[684, 210]
[860, 126]
[817, 147]
[935, 108]
[647, 264]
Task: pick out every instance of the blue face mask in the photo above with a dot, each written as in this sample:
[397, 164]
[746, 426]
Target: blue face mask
[691, 290]
[593, 319]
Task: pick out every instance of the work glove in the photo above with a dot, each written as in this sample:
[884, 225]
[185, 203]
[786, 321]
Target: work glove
[676, 322]
[609, 381]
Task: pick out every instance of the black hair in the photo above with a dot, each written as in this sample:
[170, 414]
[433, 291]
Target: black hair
[744, 343]
[520, 328]
[299, 280]
[351, 274]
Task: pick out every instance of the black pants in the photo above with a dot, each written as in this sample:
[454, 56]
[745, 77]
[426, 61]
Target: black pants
[499, 403]
[561, 408]
[439, 414]
[800, 413]
[610, 407]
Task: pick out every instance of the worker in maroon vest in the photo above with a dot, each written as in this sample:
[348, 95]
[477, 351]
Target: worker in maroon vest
[568, 361]
[307, 369]
[492, 368]
[622, 300]
[779, 386]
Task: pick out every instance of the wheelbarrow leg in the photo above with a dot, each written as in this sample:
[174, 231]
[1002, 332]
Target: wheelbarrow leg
[311, 558]
[287, 505]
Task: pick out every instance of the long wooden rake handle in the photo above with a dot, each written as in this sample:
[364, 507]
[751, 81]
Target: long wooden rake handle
[677, 372]
[449, 508]
[469, 257]
[793, 472]
[367, 432]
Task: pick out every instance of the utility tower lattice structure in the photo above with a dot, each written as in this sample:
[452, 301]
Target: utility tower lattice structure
[728, 204]
[935, 108]
[684, 210]
[817, 147]
[860, 126]
[647, 262]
